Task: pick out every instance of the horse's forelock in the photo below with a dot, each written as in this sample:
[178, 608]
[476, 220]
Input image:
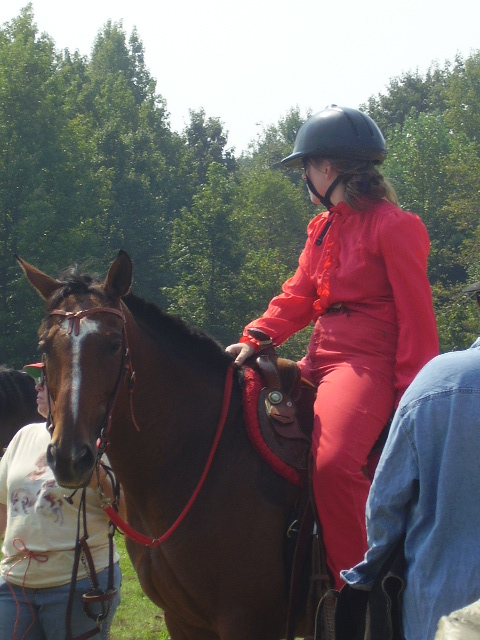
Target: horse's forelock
[71, 284]
[74, 283]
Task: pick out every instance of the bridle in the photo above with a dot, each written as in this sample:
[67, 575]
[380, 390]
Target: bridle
[126, 368]
[95, 595]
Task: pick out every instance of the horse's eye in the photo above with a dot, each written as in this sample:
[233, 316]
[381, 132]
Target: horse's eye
[115, 347]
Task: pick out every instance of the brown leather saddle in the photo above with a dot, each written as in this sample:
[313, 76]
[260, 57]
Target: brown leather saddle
[285, 416]
[285, 410]
[285, 413]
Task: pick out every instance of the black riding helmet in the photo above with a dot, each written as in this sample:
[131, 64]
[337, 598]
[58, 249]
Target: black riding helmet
[338, 132]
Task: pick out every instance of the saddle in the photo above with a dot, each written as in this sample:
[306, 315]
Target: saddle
[285, 420]
[285, 410]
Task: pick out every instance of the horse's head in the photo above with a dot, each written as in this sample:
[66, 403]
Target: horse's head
[83, 341]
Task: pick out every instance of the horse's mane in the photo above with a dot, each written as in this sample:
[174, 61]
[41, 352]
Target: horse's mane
[18, 403]
[165, 328]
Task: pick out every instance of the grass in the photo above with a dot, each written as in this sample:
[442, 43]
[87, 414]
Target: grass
[137, 618]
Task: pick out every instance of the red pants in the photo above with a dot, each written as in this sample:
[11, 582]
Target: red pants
[351, 358]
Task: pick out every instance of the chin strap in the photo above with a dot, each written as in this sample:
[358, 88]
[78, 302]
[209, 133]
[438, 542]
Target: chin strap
[325, 200]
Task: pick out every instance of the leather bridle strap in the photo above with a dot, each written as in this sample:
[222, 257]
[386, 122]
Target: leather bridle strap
[95, 595]
[73, 318]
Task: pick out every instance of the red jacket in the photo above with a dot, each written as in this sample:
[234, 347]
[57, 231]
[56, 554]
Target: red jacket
[373, 262]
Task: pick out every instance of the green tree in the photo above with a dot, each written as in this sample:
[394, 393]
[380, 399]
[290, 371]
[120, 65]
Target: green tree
[462, 98]
[89, 165]
[206, 143]
[30, 156]
[434, 171]
[417, 165]
[275, 142]
[411, 90]
[271, 214]
[137, 162]
[431, 124]
[203, 257]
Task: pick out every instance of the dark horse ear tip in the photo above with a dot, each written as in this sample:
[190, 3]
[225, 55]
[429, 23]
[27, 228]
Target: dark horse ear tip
[119, 276]
[123, 254]
[20, 261]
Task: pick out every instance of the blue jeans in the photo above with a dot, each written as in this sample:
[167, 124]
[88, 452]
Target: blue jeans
[48, 619]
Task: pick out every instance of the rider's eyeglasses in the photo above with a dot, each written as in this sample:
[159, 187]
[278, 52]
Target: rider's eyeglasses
[39, 377]
[40, 381]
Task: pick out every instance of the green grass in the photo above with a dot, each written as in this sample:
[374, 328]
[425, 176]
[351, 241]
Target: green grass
[137, 618]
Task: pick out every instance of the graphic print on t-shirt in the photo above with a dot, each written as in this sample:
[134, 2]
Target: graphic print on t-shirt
[45, 500]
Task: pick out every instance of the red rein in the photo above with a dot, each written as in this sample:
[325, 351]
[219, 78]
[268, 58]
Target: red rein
[154, 542]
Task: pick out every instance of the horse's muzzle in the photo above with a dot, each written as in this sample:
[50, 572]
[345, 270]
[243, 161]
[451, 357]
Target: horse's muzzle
[73, 471]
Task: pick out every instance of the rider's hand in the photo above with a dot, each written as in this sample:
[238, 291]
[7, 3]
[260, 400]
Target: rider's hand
[241, 351]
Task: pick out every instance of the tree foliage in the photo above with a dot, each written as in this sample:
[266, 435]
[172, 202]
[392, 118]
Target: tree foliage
[89, 164]
[203, 256]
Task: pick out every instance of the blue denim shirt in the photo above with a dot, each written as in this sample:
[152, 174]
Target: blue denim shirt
[427, 488]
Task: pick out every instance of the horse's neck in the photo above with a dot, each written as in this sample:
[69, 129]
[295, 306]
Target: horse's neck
[176, 407]
[172, 383]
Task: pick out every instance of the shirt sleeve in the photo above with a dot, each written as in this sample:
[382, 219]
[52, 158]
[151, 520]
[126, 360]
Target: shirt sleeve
[405, 246]
[394, 488]
[293, 309]
[4, 464]
[290, 311]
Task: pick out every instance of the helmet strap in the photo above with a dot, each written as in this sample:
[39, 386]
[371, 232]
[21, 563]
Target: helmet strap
[325, 200]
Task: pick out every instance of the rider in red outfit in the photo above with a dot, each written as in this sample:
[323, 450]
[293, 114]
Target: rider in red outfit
[362, 281]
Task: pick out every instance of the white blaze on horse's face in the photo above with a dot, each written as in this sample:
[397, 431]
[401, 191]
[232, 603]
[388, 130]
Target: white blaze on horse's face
[87, 327]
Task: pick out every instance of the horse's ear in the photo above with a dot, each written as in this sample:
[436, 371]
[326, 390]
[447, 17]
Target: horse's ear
[45, 285]
[119, 276]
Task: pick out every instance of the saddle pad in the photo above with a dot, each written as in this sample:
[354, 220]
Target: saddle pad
[253, 384]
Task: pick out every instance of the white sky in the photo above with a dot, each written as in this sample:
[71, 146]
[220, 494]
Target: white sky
[249, 62]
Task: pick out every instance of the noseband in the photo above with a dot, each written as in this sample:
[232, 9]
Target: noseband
[126, 367]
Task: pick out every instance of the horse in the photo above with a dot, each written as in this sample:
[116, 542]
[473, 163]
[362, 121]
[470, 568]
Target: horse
[18, 404]
[166, 401]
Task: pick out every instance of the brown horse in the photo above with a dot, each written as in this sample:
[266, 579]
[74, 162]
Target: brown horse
[121, 370]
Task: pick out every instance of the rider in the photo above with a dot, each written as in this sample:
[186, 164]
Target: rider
[362, 281]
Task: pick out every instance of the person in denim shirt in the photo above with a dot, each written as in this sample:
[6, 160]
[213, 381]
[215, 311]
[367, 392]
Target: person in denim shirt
[426, 491]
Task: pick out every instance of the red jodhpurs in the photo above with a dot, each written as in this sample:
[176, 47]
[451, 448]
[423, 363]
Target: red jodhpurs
[351, 358]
